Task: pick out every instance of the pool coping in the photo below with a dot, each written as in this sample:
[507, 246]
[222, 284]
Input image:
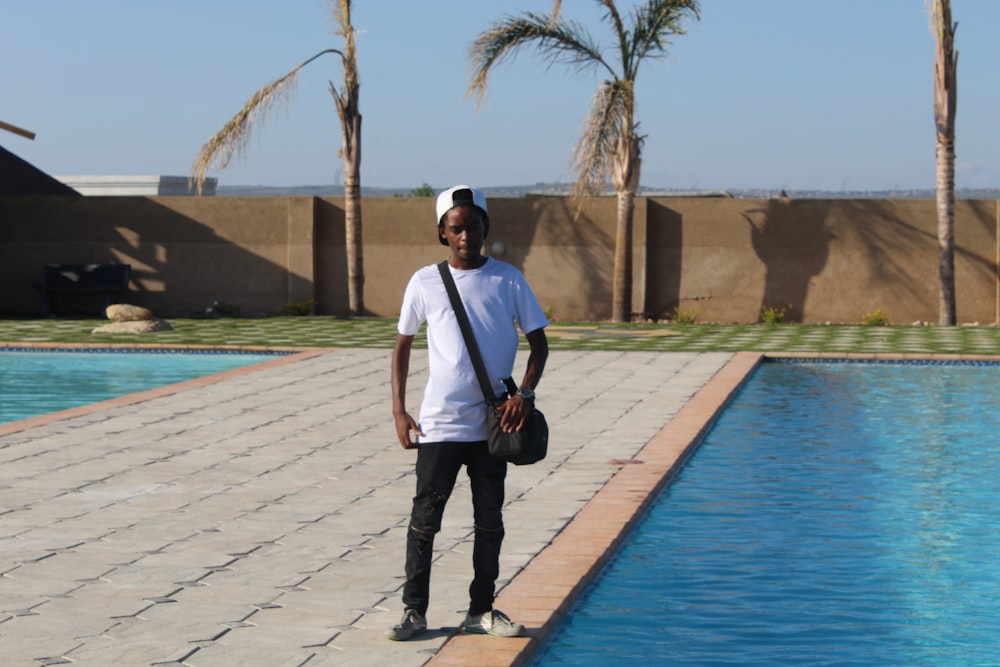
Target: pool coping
[289, 355]
[543, 593]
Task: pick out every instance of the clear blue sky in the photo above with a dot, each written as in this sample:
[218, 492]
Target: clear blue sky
[794, 94]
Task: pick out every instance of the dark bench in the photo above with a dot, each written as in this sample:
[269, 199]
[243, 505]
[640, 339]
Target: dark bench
[63, 279]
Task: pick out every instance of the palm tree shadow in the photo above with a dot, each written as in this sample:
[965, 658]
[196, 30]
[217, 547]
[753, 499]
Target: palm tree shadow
[878, 237]
[583, 248]
[793, 247]
[889, 238]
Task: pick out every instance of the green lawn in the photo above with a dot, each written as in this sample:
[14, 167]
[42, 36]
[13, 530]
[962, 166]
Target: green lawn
[380, 333]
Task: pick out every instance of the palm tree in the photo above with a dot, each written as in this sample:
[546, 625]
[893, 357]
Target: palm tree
[610, 144]
[233, 139]
[945, 103]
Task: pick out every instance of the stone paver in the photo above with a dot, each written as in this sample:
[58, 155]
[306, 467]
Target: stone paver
[261, 519]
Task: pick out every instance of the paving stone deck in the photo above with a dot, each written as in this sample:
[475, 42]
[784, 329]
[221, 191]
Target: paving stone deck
[260, 518]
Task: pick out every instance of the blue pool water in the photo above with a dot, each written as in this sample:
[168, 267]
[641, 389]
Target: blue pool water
[836, 514]
[36, 383]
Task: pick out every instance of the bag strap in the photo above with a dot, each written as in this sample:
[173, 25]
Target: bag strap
[466, 327]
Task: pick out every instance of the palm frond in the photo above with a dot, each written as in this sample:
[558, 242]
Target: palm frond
[940, 18]
[608, 119]
[653, 24]
[557, 41]
[234, 137]
[945, 69]
[615, 18]
[346, 100]
[350, 55]
[609, 144]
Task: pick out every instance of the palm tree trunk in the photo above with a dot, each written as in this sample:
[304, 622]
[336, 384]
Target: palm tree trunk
[945, 106]
[352, 218]
[621, 290]
[947, 315]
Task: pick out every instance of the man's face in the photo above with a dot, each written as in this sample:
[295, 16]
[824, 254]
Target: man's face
[462, 227]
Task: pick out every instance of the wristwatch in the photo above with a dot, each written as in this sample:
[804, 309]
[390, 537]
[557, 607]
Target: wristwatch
[527, 393]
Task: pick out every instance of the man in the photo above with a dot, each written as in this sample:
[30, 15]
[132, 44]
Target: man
[452, 428]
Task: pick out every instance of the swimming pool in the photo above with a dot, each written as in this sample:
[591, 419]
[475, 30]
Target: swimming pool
[837, 513]
[33, 383]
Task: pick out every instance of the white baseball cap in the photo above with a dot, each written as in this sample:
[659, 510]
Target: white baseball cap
[460, 195]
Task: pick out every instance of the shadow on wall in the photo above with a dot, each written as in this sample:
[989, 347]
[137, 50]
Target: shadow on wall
[851, 257]
[331, 258]
[664, 243]
[180, 265]
[903, 257]
[541, 245]
[821, 260]
[793, 249]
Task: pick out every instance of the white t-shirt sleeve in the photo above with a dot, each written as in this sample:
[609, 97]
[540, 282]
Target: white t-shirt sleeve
[414, 311]
[530, 316]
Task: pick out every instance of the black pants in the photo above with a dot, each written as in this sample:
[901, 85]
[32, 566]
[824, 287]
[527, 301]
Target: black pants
[437, 469]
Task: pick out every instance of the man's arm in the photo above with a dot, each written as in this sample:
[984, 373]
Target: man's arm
[400, 370]
[539, 354]
[516, 408]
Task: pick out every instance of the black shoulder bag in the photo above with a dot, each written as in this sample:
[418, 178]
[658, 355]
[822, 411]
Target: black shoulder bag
[531, 443]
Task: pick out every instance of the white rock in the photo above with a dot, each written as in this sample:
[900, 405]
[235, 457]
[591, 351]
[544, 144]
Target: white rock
[123, 312]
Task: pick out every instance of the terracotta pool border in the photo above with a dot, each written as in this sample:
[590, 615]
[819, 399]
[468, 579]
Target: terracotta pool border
[543, 592]
[288, 355]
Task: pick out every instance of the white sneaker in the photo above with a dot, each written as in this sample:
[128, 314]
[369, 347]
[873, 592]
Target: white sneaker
[494, 623]
[410, 625]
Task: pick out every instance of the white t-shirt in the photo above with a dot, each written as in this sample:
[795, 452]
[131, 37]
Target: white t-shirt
[498, 300]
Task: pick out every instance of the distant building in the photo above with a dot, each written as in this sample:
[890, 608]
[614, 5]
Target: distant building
[136, 186]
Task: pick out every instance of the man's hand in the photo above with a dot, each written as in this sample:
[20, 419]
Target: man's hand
[514, 413]
[404, 424]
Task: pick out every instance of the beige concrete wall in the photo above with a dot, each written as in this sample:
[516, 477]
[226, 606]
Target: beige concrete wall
[568, 261]
[254, 254]
[821, 260]
[722, 260]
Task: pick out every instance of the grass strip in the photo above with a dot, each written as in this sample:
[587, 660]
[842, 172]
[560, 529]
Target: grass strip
[381, 333]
